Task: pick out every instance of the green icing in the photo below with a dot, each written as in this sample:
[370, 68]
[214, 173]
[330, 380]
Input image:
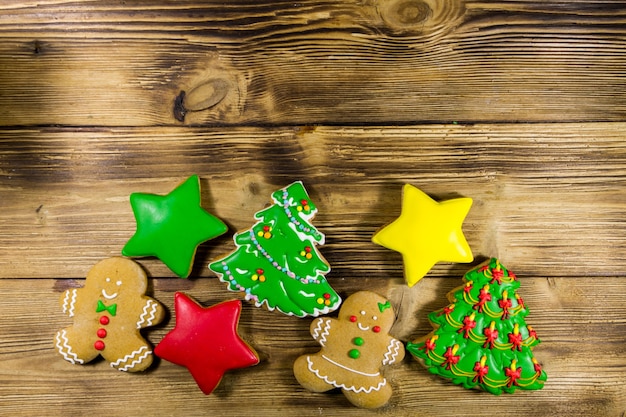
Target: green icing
[481, 340]
[112, 309]
[171, 227]
[276, 261]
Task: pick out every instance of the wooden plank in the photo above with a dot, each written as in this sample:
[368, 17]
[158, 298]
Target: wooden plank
[581, 322]
[549, 198]
[315, 62]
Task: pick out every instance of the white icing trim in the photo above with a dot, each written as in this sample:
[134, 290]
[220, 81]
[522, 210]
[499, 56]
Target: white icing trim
[324, 333]
[153, 309]
[343, 386]
[130, 356]
[390, 356]
[69, 302]
[348, 369]
[107, 296]
[67, 353]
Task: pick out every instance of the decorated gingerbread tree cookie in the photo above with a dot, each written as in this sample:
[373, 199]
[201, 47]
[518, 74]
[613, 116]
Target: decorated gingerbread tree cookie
[276, 262]
[355, 347]
[481, 340]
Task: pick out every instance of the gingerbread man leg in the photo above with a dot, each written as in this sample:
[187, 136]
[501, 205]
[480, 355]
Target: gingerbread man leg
[74, 347]
[135, 354]
[366, 400]
[303, 374]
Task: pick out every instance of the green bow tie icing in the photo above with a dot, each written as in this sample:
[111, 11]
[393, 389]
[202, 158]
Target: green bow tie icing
[171, 227]
[112, 309]
[384, 306]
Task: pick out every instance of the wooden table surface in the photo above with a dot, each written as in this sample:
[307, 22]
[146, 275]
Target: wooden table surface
[520, 105]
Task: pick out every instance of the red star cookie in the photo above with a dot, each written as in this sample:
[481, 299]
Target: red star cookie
[205, 341]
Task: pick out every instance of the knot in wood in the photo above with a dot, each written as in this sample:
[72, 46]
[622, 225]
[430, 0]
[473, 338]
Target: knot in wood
[421, 16]
[410, 12]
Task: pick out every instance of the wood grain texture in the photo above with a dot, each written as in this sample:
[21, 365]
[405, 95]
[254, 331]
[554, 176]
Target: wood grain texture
[519, 104]
[550, 197]
[315, 62]
[582, 351]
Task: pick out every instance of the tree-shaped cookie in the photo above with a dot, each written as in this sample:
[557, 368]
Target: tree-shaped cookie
[109, 312]
[481, 339]
[355, 347]
[276, 262]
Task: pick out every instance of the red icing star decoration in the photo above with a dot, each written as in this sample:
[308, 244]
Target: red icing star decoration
[205, 341]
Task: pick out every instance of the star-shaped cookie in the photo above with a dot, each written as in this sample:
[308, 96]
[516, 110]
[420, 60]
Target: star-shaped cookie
[427, 232]
[206, 342]
[171, 227]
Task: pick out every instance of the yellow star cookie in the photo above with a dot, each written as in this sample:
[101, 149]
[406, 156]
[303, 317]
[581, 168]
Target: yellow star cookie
[426, 232]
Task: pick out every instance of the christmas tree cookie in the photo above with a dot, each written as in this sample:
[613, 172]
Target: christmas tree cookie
[276, 262]
[481, 340]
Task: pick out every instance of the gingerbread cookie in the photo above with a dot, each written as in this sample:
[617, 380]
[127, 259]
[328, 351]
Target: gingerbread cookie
[108, 313]
[277, 263]
[481, 340]
[354, 348]
[172, 226]
[206, 341]
[427, 232]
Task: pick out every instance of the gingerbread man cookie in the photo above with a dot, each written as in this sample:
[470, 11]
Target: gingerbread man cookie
[354, 348]
[108, 313]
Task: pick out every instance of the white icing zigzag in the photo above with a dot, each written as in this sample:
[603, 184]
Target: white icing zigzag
[130, 356]
[334, 383]
[69, 302]
[316, 332]
[392, 352]
[65, 349]
[153, 308]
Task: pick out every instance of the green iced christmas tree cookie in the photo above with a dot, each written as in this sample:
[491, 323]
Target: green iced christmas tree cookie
[276, 262]
[481, 339]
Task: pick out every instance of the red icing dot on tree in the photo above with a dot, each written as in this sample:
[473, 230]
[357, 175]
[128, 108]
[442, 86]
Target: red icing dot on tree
[326, 296]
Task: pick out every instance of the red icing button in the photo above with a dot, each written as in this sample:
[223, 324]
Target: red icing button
[376, 329]
[101, 333]
[104, 320]
[353, 319]
[326, 296]
[99, 345]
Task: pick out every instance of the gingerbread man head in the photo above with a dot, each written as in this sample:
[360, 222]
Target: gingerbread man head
[116, 280]
[368, 312]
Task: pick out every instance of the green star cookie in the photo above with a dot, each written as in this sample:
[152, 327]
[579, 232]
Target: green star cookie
[171, 227]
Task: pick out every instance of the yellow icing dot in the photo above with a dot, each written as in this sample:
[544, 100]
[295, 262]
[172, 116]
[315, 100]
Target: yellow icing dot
[320, 300]
[255, 277]
[260, 234]
[303, 253]
[299, 208]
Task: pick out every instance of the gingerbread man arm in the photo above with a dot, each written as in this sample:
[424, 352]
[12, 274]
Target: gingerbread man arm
[68, 301]
[394, 353]
[320, 329]
[152, 313]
